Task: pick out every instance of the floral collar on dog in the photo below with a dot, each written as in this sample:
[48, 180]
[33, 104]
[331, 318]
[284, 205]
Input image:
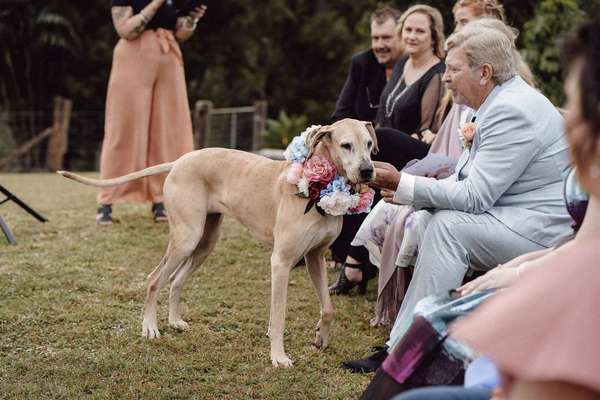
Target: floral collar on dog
[317, 179]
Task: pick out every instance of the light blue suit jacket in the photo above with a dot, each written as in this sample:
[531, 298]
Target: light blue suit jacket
[515, 168]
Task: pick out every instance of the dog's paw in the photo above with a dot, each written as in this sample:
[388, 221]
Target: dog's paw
[150, 330]
[321, 336]
[321, 341]
[180, 325]
[281, 361]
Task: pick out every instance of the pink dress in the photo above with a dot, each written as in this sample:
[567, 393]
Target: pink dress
[547, 326]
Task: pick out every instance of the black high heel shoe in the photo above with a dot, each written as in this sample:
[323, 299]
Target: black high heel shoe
[343, 285]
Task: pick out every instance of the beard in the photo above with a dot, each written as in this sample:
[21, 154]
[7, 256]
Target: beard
[383, 57]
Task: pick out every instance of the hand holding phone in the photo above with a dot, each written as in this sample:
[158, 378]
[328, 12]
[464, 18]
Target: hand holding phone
[191, 6]
[198, 12]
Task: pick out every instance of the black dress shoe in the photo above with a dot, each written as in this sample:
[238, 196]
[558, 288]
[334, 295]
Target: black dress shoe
[343, 285]
[369, 364]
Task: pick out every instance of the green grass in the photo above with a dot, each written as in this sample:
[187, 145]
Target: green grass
[71, 296]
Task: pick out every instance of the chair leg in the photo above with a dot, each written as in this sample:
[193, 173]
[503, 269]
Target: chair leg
[7, 232]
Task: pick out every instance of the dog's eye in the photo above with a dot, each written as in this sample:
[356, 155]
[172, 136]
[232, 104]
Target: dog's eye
[347, 146]
[369, 144]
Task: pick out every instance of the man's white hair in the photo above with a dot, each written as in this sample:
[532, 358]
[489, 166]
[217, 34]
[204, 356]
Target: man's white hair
[484, 45]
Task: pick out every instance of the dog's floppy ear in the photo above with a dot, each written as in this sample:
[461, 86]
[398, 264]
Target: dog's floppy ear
[371, 130]
[316, 135]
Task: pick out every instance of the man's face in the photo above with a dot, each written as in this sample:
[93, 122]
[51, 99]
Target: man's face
[385, 42]
[463, 80]
[463, 16]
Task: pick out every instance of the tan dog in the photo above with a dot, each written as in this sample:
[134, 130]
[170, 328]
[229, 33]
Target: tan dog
[205, 184]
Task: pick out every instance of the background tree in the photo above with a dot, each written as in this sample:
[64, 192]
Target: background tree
[37, 46]
[553, 20]
[292, 53]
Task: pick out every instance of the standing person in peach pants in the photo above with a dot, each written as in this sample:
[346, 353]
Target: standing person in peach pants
[147, 113]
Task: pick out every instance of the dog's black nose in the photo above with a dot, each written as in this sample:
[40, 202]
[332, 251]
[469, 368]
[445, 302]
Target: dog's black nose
[366, 174]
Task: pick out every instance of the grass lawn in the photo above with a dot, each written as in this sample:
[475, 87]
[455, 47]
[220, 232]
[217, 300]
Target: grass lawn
[71, 296]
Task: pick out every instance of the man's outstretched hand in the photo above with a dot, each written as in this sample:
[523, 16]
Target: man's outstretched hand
[386, 176]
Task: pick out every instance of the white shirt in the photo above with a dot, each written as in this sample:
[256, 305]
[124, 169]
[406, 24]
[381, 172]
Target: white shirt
[406, 187]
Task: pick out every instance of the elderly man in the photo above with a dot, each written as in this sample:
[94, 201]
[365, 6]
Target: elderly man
[370, 69]
[505, 198]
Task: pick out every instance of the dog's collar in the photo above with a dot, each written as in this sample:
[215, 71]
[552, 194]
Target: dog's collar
[317, 179]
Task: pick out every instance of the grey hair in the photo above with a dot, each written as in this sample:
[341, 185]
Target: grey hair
[483, 45]
[512, 33]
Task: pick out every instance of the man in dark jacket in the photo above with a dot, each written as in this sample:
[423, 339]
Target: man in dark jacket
[370, 69]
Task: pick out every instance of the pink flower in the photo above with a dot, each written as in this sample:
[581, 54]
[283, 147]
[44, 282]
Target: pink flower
[365, 201]
[467, 133]
[319, 169]
[295, 173]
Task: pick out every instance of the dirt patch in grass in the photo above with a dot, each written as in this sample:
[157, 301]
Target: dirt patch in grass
[70, 311]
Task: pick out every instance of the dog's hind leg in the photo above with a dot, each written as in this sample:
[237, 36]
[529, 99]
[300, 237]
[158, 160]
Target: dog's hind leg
[174, 258]
[315, 263]
[184, 238]
[180, 276]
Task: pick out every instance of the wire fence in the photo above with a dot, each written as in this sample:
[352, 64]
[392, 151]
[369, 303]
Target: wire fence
[85, 136]
[237, 128]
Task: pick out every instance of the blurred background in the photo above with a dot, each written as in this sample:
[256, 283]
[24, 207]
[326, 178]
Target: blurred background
[282, 61]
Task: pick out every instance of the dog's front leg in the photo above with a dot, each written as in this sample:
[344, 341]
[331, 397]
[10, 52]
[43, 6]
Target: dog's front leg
[315, 263]
[280, 273]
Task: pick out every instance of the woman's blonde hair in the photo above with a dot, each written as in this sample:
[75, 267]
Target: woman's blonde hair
[512, 34]
[490, 8]
[436, 26]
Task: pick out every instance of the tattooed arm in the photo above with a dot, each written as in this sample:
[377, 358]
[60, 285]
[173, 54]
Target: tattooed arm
[186, 25]
[130, 26]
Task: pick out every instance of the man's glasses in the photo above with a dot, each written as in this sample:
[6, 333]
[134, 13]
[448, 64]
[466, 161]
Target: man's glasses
[371, 105]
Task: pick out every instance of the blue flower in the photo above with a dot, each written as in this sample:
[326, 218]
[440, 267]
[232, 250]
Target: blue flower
[338, 184]
[296, 150]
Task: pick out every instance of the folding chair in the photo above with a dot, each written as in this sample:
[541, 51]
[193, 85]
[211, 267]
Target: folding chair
[9, 196]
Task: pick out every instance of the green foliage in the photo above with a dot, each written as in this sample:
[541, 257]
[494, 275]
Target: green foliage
[293, 54]
[541, 38]
[36, 46]
[280, 132]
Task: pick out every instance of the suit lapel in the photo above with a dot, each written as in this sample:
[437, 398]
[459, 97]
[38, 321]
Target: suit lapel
[464, 160]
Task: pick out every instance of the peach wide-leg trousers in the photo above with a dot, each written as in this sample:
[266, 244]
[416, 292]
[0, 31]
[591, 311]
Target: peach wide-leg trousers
[147, 115]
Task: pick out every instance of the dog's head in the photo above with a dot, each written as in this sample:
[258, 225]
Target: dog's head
[348, 143]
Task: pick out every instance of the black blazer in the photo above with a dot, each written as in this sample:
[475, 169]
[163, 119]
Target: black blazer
[359, 97]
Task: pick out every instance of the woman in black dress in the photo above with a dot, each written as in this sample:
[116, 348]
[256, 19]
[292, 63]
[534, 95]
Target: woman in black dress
[410, 111]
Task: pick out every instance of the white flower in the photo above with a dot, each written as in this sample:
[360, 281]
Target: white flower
[303, 186]
[338, 203]
[308, 130]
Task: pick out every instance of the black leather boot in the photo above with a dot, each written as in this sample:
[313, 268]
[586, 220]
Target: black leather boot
[369, 364]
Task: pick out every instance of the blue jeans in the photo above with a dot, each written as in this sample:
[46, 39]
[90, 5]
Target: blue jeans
[446, 393]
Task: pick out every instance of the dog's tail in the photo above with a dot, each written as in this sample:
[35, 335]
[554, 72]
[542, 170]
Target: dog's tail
[157, 169]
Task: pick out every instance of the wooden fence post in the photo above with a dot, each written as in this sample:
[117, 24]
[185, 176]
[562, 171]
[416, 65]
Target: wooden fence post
[202, 111]
[259, 124]
[59, 138]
